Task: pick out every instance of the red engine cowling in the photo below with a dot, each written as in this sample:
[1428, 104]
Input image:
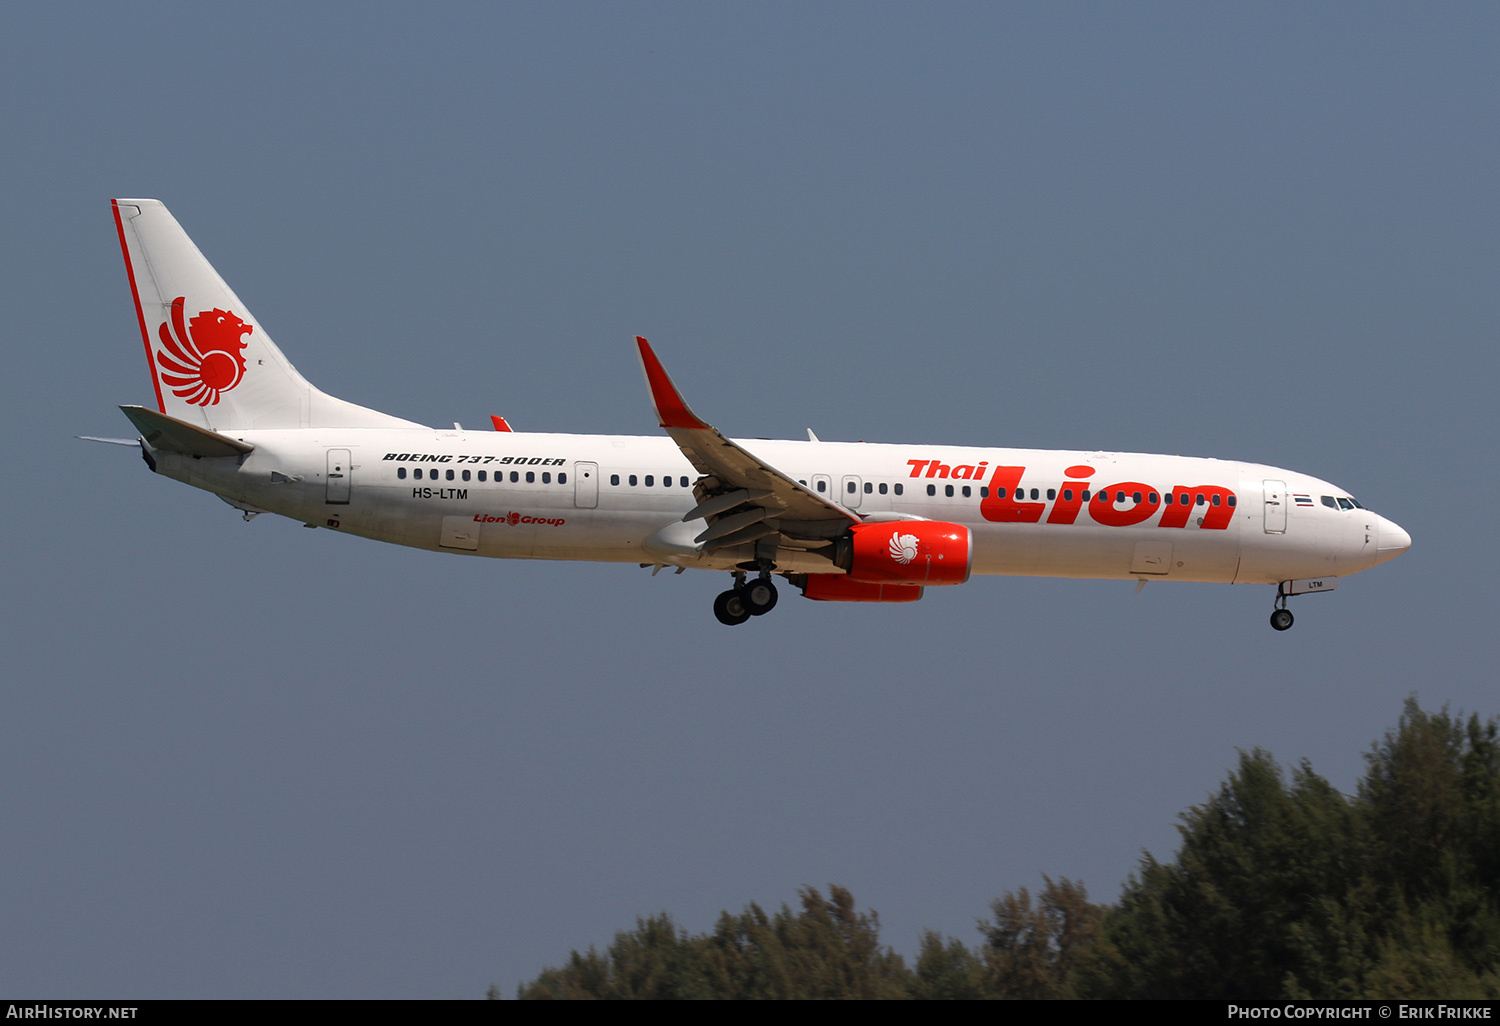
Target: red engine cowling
[914, 552]
[839, 588]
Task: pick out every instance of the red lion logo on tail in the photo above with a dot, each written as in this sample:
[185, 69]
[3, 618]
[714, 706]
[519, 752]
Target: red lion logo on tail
[201, 360]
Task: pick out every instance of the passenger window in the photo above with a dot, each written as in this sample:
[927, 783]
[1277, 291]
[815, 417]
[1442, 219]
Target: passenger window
[1035, 494]
[869, 488]
[562, 478]
[851, 488]
[401, 473]
[802, 483]
[999, 493]
[450, 475]
[882, 488]
[1200, 498]
[650, 480]
[531, 477]
[1067, 495]
[1119, 496]
[482, 476]
[932, 489]
[984, 491]
[899, 489]
[822, 486]
[614, 479]
[1231, 500]
[1152, 497]
[948, 491]
[1167, 498]
[515, 476]
[967, 492]
[465, 475]
[1217, 500]
[1084, 495]
[632, 480]
[683, 481]
[1051, 493]
[546, 477]
[1135, 497]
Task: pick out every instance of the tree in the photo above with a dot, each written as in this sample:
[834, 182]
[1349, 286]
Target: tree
[828, 949]
[1033, 952]
[1282, 888]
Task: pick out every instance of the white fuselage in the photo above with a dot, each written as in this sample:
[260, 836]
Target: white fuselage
[621, 499]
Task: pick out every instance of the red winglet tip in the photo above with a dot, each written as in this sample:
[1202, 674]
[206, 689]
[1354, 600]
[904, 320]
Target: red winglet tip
[671, 411]
[500, 423]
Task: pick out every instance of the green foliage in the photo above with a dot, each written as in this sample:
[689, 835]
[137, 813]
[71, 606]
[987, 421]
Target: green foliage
[947, 971]
[1034, 952]
[1294, 890]
[1283, 888]
[828, 949]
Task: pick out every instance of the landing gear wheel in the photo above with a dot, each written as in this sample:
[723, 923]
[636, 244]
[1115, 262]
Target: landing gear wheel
[1281, 619]
[759, 597]
[730, 608]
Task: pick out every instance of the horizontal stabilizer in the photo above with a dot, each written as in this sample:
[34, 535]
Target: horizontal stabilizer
[111, 441]
[163, 432]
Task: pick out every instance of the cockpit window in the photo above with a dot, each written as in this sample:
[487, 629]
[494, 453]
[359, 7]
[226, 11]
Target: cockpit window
[1357, 504]
[1345, 503]
[1330, 502]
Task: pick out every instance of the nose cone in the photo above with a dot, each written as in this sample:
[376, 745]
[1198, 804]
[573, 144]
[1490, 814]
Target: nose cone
[1390, 540]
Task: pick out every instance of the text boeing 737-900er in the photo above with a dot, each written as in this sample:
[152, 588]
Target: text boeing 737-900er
[845, 522]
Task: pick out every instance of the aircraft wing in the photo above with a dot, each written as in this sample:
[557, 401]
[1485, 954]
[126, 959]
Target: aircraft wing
[742, 497]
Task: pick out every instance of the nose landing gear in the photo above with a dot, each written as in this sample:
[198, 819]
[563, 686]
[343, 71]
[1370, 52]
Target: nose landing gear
[743, 601]
[1281, 616]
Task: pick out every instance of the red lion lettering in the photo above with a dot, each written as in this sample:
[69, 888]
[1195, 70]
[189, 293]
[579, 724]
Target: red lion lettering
[201, 360]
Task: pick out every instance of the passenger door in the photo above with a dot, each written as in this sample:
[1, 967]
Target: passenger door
[337, 477]
[586, 485]
[1275, 506]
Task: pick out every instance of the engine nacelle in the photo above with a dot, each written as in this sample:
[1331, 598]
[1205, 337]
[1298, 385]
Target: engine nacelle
[908, 552]
[839, 588]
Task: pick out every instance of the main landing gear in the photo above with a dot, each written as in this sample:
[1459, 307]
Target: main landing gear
[743, 601]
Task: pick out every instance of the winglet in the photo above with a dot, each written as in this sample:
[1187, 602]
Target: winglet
[501, 424]
[671, 411]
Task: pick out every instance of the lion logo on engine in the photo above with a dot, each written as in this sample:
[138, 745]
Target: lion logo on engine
[903, 548]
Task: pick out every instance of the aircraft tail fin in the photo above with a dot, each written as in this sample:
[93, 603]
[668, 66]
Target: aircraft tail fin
[211, 362]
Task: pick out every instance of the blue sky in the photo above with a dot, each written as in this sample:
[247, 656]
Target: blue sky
[255, 760]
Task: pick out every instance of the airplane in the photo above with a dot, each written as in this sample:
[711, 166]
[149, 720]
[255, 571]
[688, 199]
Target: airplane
[841, 522]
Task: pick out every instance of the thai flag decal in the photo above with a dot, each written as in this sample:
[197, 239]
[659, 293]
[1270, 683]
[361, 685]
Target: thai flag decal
[1302, 500]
